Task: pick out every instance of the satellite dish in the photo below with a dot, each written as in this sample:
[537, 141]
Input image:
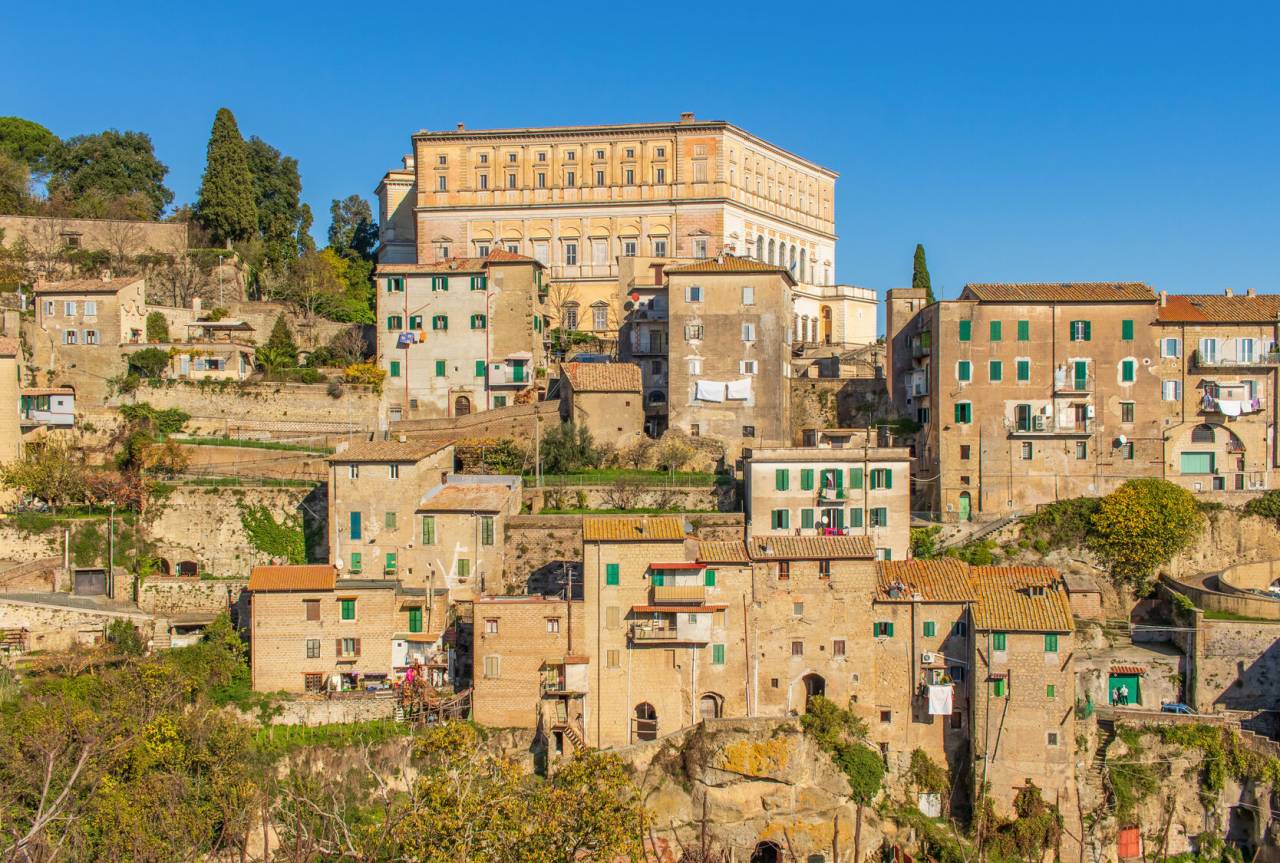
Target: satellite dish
[1122, 440]
[338, 563]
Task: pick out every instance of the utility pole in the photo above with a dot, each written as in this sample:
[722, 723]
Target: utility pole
[219, 281]
[111, 550]
[537, 450]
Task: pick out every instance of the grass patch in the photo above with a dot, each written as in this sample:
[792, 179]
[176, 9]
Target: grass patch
[276, 740]
[255, 444]
[606, 476]
[1231, 615]
[250, 482]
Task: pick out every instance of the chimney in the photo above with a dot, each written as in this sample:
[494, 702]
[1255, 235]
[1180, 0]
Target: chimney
[404, 439]
[1164, 299]
[462, 127]
[686, 117]
[1230, 293]
[1251, 292]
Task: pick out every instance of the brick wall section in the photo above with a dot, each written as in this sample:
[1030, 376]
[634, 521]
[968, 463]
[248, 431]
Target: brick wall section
[165, 597]
[285, 408]
[53, 627]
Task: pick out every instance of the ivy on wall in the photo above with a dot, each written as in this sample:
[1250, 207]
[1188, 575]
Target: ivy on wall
[278, 539]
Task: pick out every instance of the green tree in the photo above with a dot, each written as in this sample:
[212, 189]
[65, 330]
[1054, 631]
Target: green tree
[124, 637]
[226, 202]
[148, 363]
[51, 471]
[280, 351]
[920, 274]
[284, 222]
[90, 172]
[1141, 526]
[352, 231]
[27, 143]
[841, 735]
[569, 449]
[15, 185]
[157, 327]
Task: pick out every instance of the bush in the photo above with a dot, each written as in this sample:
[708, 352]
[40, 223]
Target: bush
[122, 635]
[569, 449]
[1267, 506]
[1061, 524]
[365, 373]
[157, 327]
[148, 363]
[1141, 526]
[924, 541]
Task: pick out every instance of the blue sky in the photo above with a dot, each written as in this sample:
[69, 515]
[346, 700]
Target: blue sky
[1017, 141]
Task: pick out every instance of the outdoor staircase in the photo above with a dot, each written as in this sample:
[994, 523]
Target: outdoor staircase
[575, 739]
[161, 638]
[1095, 779]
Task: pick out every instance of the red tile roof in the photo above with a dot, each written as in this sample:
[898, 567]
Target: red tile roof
[1003, 598]
[723, 551]
[626, 528]
[810, 547]
[1216, 308]
[944, 580]
[8, 346]
[266, 579]
[1059, 292]
[603, 377]
[729, 264]
[87, 286]
[392, 450]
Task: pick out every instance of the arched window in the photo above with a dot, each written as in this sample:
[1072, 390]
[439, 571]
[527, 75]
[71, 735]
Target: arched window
[760, 248]
[657, 397]
[645, 722]
[461, 406]
[1202, 434]
[711, 706]
[814, 686]
[772, 251]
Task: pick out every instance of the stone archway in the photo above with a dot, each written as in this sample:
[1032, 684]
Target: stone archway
[767, 852]
[815, 685]
[461, 406]
[710, 706]
[188, 569]
[646, 721]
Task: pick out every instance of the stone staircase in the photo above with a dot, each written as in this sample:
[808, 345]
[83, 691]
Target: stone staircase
[1095, 777]
[572, 735]
[161, 638]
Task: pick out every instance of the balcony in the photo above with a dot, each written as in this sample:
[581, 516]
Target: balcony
[1072, 383]
[695, 593]
[1200, 360]
[693, 627]
[1211, 404]
[1038, 425]
[831, 495]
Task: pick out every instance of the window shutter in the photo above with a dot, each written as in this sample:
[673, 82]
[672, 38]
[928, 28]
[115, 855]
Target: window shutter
[806, 518]
[357, 647]
[966, 329]
[480, 368]
[888, 478]
[995, 331]
[710, 578]
[875, 627]
[1126, 330]
[1088, 331]
[855, 477]
[337, 647]
[891, 629]
[1024, 331]
[855, 517]
[959, 412]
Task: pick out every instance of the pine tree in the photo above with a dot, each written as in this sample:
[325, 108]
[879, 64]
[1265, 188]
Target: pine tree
[280, 351]
[920, 274]
[226, 205]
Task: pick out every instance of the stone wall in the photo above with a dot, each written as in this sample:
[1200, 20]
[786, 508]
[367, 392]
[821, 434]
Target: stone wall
[316, 711]
[254, 462]
[1238, 665]
[283, 408]
[715, 498]
[56, 626]
[833, 403]
[517, 422]
[168, 597]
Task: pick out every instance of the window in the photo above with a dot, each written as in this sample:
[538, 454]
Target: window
[660, 248]
[966, 330]
[312, 608]
[441, 368]
[611, 574]
[1126, 451]
[90, 337]
[484, 181]
[1051, 738]
[542, 179]
[1127, 411]
[484, 158]
[70, 337]
[415, 620]
[855, 517]
[629, 176]
[442, 183]
[348, 609]
[746, 367]
[570, 178]
[1028, 451]
[90, 308]
[599, 178]
[999, 640]
[1128, 368]
[780, 519]
[628, 248]
[882, 629]
[995, 371]
[355, 526]
[69, 308]
[389, 563]
[394, 322]
[964, 412]
[439, 283]
[464, 569]
[478, 322]
[881, 477]
[965, 451]
[879, 516]
[797, 609]
[1050, 691]
[479, 283]
[797, 648]
[748, 332]
[717, 654]
[660, 176]
[486, 530]
[748, 295]
[930, 629]
[1024, 331]
[886, 716]
[782, 479]
[964, 371]
[1171, 391]
[660, 152]
[837, 647]
[492, 667]
[998, 687]
[511, 181]
[428, 530]
[748, 431]
[995, 331]
[570, 254]
[570, 155]
[1051, 642]
[784, 570]
[440, 322]
[553, 624]
[1126, 330]
[313, 648]
[612, 659]
[693, 294]
[1170, 347]
[960, 629]
[1082, 449]
[491, 626]
[1081, 331]
[1024, 370]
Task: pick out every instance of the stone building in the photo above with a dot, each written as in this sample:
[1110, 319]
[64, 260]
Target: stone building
[461, 528]
[855, 489]
[459, 334]
[1217, 370]
[606, 398]
[91, 313]
[48, 407]
[580, 198]
[10, 406]
[375, 487]
[728, 351]
[1027, 393]
[212, 351]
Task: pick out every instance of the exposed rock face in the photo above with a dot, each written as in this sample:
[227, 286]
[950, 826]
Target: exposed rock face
[757, 780]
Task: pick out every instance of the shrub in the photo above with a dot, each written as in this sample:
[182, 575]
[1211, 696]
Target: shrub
[1266, 506]
[1141, 526]
[365, 373]
[1061, 524]
[122, 635]
[569, 449]
[157, 327]
[148, 363]
[924, 541]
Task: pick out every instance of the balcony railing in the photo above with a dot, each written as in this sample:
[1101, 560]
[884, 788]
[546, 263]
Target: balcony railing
[1230, 407]
[654, 632]
[1070, 382]
[831, 494]
[1258, 360]
[679, 593]
[1039, 424]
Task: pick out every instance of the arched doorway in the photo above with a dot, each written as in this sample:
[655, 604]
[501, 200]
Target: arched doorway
[162, 567]
[767, 852]
[814, 685]
[711, 706]
[461, 406]
[646, 721]
[966, 506]
[826, 325]
[188, 569]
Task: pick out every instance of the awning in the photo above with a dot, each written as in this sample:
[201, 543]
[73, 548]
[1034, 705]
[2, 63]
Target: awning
[1128, 669]
[678, 609]
[997, 675]
[577, 660]
[681, 565]
[519, 355]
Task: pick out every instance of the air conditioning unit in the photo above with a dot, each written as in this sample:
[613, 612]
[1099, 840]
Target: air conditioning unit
[1088, 411]
[928, 658]
[1037, 422]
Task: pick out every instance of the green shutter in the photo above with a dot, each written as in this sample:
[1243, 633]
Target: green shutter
[855, 517]
[781, 479]
[611, 573]
[960, 411]
[839, 516]
[440, 367]
[855, 477]
[806, 479]
[415, 620]
[888, 477]
[717, 654]
[348, 609]
[1024, 331]
[428, 530]
[395, 368]
[1088, 331]
[891, 629]
[930, 629]
[480, 365]
[1126, 330]
[658, 579]
[997, 688]
[998, 641]
[464, 568]
[806, 518]
[964, 370]
[1127, 371]
[486, 530]
[709, 578]
[966, 330]
[355, 526]
[1024, 370]
[1050, 691]
[391, 561]
[1051, 643]
[995, 370]
[355, 561]
[995, 331]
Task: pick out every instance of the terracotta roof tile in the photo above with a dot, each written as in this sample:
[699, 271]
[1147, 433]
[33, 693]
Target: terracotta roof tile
[1021, 599]
[87, 286]
[944, 580]
[47, 391]
[8, 346]
[810, 547]
[625, 528]
[1059, 292]
[387, 451]
[489, 497]
[729, 264]
[1216, 308]
[717, 551]
[603, 377]
[318, 576]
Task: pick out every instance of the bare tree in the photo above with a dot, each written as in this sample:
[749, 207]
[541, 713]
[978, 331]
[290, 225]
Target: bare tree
[124, 241]
[46, 242]
[560, 297]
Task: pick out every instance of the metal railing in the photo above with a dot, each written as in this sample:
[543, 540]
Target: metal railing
[679, 592]
[1200, 360]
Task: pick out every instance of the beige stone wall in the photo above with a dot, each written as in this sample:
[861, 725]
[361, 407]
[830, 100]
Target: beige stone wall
[10, 430]
[615, 419]
[118, 236]
[279, 632]
[53, 627]
[285, 409]
[165, 597]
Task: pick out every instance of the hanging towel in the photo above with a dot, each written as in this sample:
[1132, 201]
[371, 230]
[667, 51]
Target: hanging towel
[740, 390]
[709, 391]
[940, 700]
[1229, 407]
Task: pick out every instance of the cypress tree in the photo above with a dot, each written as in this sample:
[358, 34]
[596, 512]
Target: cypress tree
[281, 340]
[226, 205]
[920, 274]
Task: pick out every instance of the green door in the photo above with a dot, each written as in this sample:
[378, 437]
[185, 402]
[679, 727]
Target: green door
[1197, 462]
[1131, 681]
[965, 506]
[1081, 374]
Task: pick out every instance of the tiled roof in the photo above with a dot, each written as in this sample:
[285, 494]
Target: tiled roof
[47, 391]
[292, 577]
[1216, 308]
[8, 346]
[1079, 583]
[446, 266]
[387, 451]
[810, 547]
[1060, 292]
[468, 498]
[944, 580]
[729, 264]
[719, 551]
[603, 377]
[625, 528]
[87, 286]
[1007, 604]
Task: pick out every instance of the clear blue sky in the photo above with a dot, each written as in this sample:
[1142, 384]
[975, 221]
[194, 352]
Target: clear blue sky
[1017, 141]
